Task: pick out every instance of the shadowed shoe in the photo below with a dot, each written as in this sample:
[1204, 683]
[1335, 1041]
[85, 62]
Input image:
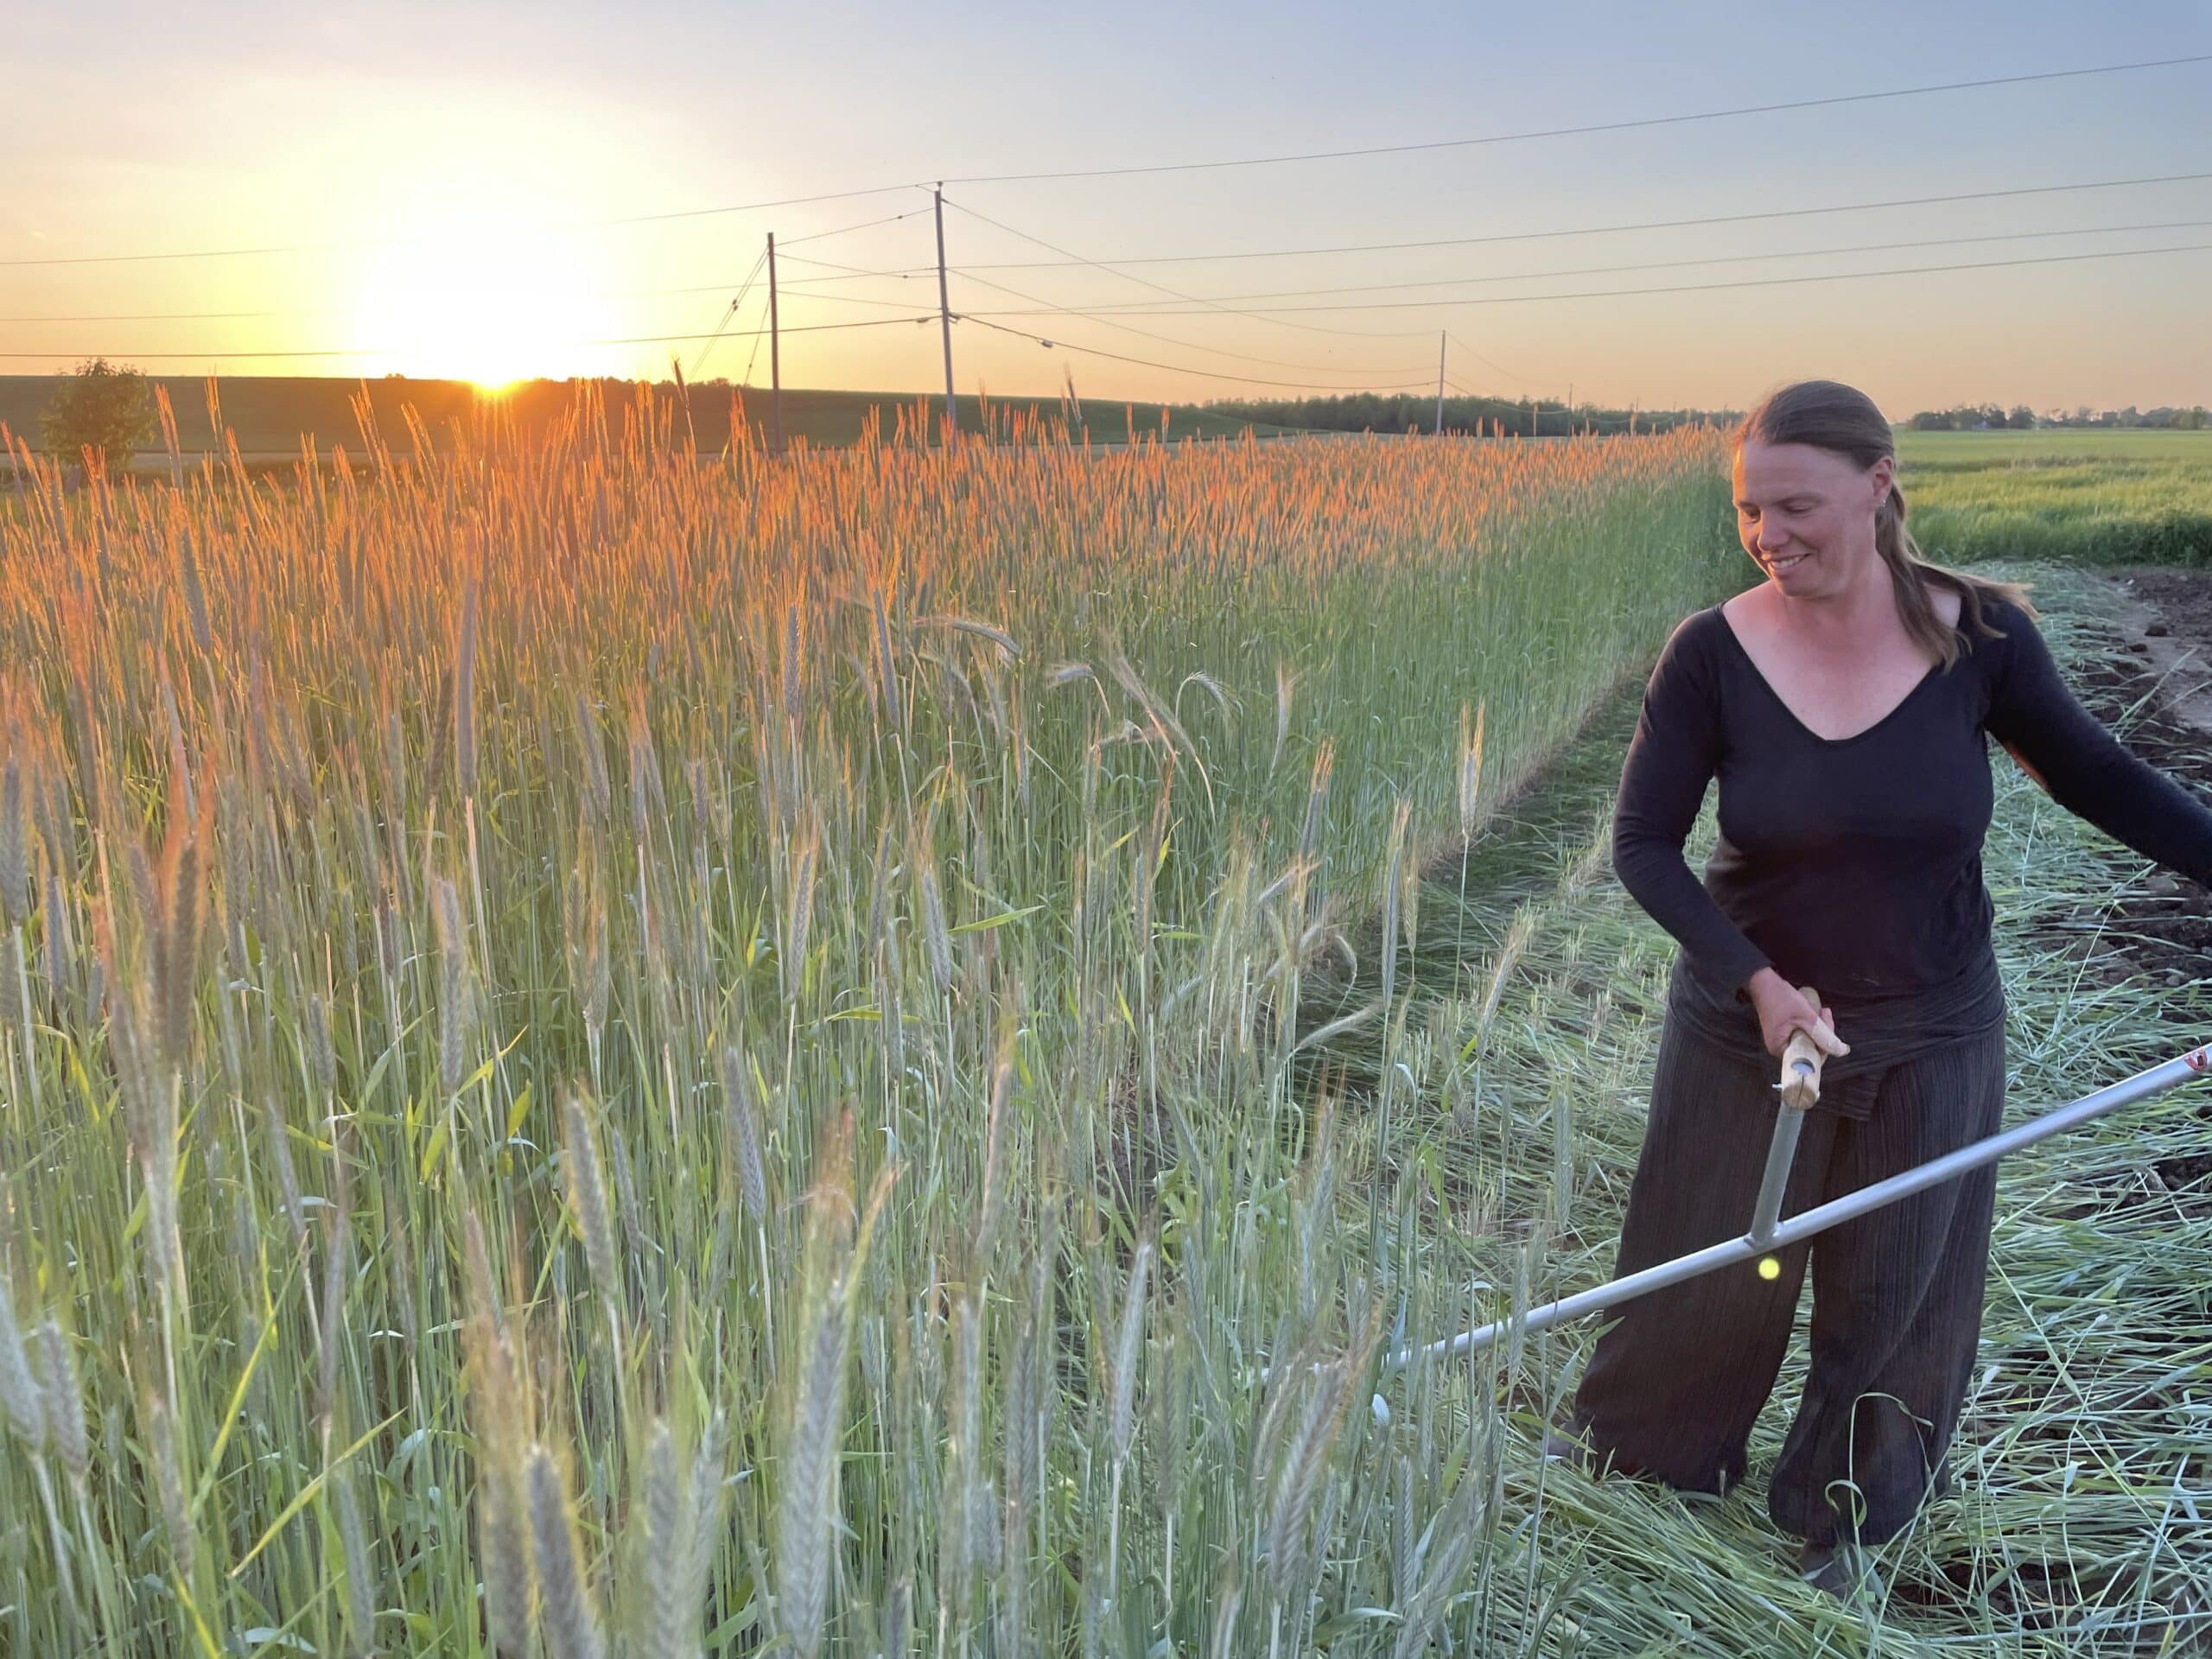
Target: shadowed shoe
[1836, 1569]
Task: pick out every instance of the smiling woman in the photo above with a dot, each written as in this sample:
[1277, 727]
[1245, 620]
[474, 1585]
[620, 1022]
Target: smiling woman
[1844, 709]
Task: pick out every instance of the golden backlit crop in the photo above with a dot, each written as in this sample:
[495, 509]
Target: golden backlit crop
[523, 959]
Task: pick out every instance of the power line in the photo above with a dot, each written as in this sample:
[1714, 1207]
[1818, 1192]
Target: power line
[385, 351]
[723, 286]
[865, 224]
[848, 299]
[699, 362]
[1141, 308]
[672, 215]
[173, 316]
[1702, 287]
[357, 247]
[1164, 340]
[738, 207]
[751, 358]
[1521, 379]
[1578, 131]
[1047, 308]
[1172, 368]
[1600, 229]
[850, 273]
[1146, 282]
[919, 315]
[971, 316]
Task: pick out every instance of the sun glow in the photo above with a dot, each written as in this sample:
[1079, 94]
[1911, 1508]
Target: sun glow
[470, 304]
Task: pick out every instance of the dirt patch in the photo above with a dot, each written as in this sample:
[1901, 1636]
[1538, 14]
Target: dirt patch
[2156, 679]
[2165, 619]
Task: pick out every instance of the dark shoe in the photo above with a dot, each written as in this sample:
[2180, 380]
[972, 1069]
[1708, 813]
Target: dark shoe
[1835, 1569]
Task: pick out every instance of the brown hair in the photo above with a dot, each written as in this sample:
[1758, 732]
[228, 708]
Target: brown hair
[1842, 420]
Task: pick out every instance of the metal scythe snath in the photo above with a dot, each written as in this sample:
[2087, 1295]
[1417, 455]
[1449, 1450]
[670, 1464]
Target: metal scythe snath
[1799, 1089]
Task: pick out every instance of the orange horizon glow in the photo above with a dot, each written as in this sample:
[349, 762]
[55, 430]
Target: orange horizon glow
[497, 222]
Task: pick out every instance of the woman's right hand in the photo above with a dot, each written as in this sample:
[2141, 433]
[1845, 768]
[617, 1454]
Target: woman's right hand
[1783, 1011]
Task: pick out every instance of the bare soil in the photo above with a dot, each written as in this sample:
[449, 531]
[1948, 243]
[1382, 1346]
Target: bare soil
[2159, 679]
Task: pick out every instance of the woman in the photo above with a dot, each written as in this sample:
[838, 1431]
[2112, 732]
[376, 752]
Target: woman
[1842, 705]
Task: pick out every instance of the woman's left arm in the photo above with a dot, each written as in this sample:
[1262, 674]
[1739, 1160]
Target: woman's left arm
[2068, 750]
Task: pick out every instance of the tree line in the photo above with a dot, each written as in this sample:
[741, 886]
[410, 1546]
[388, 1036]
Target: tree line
[1415, 412]
[1976, 417]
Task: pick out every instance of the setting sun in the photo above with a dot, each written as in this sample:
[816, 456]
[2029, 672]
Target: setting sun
[485, 308]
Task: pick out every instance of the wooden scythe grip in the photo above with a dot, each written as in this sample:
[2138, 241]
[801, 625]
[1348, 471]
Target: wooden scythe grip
[1800, 1064]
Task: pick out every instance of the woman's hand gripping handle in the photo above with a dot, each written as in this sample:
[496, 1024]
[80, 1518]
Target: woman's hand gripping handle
[1803, 1057]
[1798, 1031]
[1805, 1048]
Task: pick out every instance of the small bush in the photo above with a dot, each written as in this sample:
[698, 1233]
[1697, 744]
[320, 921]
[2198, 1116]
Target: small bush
[100, 414]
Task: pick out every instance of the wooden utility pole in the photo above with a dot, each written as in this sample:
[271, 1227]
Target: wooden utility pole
[775, 353]
[944, 323]
[1441, 337]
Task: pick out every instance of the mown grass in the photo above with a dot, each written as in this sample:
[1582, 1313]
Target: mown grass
[2071, 496]
[608, 1052]
[2080, 1524]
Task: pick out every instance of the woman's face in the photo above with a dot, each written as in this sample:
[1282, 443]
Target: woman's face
[1806, 516]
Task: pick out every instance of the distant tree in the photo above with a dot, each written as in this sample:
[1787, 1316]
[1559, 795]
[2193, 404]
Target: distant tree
[98, 415]
[1934, 419]
[2023, 418]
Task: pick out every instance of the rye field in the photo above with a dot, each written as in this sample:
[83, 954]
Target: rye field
[2095, 498]
[608, 1054]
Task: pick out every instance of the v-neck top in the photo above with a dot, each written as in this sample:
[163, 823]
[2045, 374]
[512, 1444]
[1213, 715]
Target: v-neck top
[1854, 863]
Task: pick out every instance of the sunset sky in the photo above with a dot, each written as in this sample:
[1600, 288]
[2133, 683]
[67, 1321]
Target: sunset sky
[443, 175]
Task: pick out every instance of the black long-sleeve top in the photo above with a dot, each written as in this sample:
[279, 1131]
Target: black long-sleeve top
[1855, 863]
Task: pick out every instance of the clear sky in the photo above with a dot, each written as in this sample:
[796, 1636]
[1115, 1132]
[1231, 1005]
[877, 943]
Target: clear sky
[448, 162]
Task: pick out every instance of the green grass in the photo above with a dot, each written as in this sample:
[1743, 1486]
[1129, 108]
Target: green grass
[2072, 497]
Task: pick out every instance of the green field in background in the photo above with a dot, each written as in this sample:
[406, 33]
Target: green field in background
[2082, 497]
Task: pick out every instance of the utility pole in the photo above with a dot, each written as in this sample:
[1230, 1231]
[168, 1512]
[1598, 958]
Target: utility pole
[1441, 337]
[775, 352]
[944, 323]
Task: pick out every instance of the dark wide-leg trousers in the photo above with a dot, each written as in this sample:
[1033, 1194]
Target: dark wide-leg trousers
[1673, 1389]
